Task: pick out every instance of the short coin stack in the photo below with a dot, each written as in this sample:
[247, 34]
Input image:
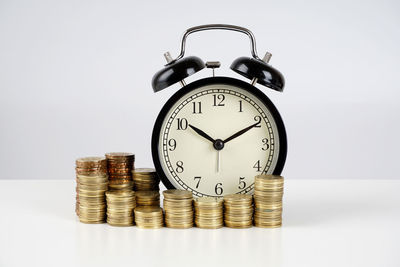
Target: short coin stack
[268, 193]
[145, 179]
[238, 210]
[209, 212]
[120, 205]
[92, 182]
[148, 198]
[178, 206]
[149, 217]
[119, 168]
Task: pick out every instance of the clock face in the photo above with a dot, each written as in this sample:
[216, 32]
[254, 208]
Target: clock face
[213, 139]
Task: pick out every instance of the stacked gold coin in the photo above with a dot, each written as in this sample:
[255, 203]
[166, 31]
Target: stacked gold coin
[148, 198]
[120, 205]
[149, 217]
[238, 210]
[268, 193]
[119, 168]
[209, 212]
[92, 182]
[178, 206]
[145, 179]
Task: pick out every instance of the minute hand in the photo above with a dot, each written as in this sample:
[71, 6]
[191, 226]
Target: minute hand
[240, 132]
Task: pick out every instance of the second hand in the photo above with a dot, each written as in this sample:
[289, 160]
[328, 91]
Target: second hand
[218, 161]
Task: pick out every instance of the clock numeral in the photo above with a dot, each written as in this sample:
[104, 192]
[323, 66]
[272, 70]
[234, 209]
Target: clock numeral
[265, 144]
[179, 167]
[242, 183]
[172, 144]
[182, 123]
[198, 178]
[240, 106]
[218, 189]
[258, 120]
[257, 166]
[220, 99]
[197, 108]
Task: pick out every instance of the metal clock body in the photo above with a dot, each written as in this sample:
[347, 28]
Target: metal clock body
[214, 135]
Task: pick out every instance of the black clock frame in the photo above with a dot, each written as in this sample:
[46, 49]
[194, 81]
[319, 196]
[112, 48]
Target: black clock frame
[209, 81]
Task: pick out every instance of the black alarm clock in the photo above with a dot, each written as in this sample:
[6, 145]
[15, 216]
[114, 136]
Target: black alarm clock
[214, 135]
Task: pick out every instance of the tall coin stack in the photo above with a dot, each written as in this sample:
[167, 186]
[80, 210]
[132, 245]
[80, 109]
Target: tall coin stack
[149, 217]
[147, 198]
[92, 182]
[145, 179]
[178, 206]
[209, 212]
[119, 168]
[238, 210]
[268, 193]
[120, 206]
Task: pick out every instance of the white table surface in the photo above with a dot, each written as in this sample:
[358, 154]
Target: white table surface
[326, 223]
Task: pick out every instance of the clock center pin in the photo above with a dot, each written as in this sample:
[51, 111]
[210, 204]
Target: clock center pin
[218, 144]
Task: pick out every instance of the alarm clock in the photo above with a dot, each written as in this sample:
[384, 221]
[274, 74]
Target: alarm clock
[214, 135]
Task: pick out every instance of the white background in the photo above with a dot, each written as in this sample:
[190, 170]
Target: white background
[75, 79]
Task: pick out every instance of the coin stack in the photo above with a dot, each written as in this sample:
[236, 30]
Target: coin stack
[238, 210]
[92, 182]
[209, 212]
[145, 179]
[120, 205]
[148, 198]
[149, 217]
[268, 193]
[178, 206]
[119, 168]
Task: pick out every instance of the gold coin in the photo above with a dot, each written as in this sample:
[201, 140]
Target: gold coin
[269, 178]
[91, 172]
[148, 210]
[148, 198]
[86, 162]
[117, 155]
[208, 201]
[121, 182]
[144, 171]
[99, 186]
[177, 194]
[120, 194]
[124, 163]
[148, 194]
[237, 198]
[113, 176]
[149, 217]
[123, 185]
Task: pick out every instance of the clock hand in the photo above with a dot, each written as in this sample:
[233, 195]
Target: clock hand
[218, 161]
[201, 133]
[240, 132]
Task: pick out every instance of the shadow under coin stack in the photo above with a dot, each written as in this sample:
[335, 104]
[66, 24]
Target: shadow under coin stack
[92, 183]
[147, 198]
[209, 212]
[268, 193]
[149, 217]
[178, 206]
[238, 210]
[145, 179]
[120, 206]
[119, 168]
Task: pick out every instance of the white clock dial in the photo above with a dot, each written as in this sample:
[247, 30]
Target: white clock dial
[190, 161]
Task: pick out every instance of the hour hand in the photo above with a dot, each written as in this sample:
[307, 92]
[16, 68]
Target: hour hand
[201, 133]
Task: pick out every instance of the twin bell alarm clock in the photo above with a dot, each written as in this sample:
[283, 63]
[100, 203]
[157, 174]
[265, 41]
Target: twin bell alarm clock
[214, 135]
